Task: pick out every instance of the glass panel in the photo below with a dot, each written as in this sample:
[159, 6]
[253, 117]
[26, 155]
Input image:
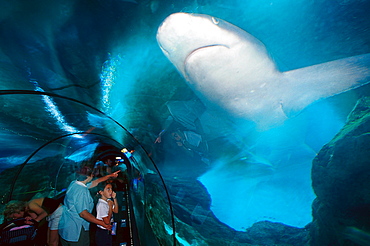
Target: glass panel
[74, 136]
[149, 197]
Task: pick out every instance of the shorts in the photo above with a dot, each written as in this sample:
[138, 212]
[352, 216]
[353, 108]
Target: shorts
[54, 218]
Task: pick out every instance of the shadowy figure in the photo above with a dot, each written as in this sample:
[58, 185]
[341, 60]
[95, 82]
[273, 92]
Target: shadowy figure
[184, 126]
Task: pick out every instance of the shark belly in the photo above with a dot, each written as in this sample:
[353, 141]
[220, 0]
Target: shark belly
[230, 69]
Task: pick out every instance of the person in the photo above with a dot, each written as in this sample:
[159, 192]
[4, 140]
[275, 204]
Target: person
[16, 210]
[184, 126]
[108, 164]
[19, 227]
[98, 168]
[106, 206]
[184, 116]
[77, 208]
[34, 212]
[51, 209]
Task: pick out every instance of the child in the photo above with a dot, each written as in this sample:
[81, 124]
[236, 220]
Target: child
[107, 204]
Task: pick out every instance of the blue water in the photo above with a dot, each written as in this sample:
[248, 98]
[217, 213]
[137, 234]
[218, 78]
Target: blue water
[270, 180]
[277, 186]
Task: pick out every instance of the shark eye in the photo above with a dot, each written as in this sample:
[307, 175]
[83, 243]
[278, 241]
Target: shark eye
[215, 21]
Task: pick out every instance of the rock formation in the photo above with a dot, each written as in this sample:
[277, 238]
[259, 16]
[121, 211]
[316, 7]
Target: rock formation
[341, 181]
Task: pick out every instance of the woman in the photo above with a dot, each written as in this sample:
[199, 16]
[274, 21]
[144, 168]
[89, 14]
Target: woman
[51, 209]
[16, 210]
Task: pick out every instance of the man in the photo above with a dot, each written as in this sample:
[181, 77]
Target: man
[78, 204]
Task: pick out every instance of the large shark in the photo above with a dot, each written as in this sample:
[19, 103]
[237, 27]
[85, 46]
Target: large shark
[229, 68]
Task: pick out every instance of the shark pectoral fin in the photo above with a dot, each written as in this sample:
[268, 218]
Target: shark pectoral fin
[313, 83]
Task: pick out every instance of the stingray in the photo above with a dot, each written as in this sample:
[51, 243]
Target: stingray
[231, 70]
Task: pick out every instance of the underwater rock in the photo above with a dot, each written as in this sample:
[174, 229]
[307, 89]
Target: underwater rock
[340, 179]
[272, 233]
[196, 223]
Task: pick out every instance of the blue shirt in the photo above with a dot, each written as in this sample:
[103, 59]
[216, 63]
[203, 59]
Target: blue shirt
[77, 199]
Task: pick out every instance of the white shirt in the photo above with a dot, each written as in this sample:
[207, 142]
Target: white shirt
[102, 209]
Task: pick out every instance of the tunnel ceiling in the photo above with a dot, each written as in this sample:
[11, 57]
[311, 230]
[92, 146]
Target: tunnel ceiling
[51, 75]
[35, 119]
[59, 75]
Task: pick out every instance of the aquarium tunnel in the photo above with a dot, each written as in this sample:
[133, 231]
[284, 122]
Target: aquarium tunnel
[238, 122]
[48, 161]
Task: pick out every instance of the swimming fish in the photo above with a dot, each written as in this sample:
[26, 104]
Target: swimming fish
[231, 69]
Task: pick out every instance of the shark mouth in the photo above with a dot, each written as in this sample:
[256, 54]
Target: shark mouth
[202, 48]
[164, 50]
[195, 51]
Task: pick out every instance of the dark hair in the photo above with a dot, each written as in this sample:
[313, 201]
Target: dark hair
[84, 172]
[101, 186]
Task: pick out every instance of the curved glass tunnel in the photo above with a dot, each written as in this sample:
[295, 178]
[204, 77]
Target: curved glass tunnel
[48, 156]
[88, 80]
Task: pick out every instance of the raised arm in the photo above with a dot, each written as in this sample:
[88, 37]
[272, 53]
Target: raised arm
[115, 207]
[95, 182]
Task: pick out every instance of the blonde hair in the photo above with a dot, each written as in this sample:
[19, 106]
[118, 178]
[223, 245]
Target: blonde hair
[14, 207]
